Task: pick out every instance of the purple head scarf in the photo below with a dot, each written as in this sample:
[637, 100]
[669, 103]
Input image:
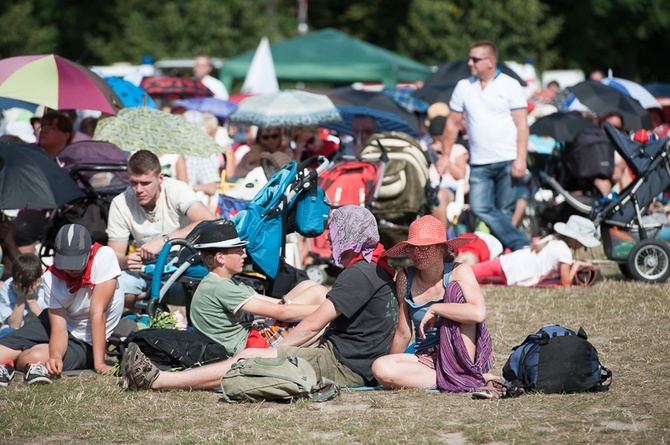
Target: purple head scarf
[353, 228]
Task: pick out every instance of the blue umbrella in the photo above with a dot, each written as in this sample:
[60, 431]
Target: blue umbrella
[384, 120]
[130, 94]
[658, 89]
[219, 108]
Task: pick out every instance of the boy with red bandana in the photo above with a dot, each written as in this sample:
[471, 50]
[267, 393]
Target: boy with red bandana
[85, 305]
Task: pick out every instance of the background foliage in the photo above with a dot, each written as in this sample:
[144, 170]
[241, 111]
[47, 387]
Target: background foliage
[628, 36]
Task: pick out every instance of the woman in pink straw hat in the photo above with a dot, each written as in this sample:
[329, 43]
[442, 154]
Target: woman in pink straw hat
[443, 301]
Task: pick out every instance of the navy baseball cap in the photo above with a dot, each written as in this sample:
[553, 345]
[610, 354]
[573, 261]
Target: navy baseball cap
[73, 245]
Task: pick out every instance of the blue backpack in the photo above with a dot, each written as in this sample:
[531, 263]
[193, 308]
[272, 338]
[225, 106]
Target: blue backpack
[557, 360]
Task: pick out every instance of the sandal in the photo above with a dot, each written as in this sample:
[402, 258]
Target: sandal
[506, 388]
[497, 389]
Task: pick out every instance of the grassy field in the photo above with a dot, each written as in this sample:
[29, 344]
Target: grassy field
[627, 322]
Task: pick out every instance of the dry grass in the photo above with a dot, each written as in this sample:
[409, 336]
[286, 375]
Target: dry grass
[627, 322]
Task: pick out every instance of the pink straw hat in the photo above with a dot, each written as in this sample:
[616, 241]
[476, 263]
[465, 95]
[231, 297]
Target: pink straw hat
[427, 231]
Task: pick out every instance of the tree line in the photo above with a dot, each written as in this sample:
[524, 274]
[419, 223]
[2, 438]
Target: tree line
[628, 36]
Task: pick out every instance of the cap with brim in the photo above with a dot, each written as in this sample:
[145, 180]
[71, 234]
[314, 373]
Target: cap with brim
[427, 231]
[72, 247]
[580, 229]
[220, 235]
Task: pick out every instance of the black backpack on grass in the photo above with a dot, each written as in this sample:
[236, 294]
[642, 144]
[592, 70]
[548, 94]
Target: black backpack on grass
[557, 360]
[170, 348]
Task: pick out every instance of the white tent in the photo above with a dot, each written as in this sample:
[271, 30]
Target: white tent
[261, 77]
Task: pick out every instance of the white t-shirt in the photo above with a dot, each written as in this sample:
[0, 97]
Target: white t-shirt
[491, 129]
[77, 306]
[215, 86]
[525, 268]
[127, 217]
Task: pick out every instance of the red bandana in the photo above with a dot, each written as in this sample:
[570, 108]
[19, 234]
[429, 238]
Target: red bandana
[376, 258]
[85, 280]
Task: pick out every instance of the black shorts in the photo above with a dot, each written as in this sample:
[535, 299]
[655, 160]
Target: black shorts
[79, 354]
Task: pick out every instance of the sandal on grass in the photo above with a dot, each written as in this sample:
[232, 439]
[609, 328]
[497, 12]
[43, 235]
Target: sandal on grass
[497, 389]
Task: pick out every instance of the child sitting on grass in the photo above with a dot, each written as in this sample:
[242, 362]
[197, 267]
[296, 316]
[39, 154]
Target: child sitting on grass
[22, 297]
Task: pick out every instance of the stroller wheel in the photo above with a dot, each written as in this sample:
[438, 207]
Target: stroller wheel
[317, 274]
[650, 261]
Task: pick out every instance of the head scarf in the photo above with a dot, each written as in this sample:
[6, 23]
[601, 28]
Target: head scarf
[353, 228]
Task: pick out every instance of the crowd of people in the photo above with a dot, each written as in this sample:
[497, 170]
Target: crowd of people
[357, 332]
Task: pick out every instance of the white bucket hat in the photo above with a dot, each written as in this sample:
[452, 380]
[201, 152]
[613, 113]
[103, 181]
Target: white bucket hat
[579, 228]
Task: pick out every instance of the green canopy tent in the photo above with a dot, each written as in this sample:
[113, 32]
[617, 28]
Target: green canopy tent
[330, 56]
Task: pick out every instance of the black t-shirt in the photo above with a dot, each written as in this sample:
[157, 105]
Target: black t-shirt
[364, 294]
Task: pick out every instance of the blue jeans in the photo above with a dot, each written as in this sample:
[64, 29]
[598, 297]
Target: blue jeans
[492, 200]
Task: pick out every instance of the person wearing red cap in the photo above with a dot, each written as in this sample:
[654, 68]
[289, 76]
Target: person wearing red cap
[443, 301]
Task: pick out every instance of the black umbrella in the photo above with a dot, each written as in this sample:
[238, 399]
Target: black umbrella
[438, 92]
[561, 126]
[452, 72]
[602, 100]
[378, 100]
[29, 179]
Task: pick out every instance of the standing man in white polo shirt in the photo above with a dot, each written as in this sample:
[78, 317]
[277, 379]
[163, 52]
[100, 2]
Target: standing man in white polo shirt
[496, 112]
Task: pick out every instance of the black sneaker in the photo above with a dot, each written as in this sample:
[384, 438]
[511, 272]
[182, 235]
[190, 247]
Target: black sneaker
[6, 375]
[36, 373]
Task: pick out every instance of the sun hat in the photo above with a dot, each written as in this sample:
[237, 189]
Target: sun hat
[72, 247]
[221, 234]
[438, 109]
[579, 228]
[427, 231]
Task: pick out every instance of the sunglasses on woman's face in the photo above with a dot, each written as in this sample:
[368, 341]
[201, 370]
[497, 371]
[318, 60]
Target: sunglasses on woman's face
[265, 137]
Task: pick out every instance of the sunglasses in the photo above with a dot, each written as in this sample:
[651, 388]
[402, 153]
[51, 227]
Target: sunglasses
[265, 137]
[478, 59]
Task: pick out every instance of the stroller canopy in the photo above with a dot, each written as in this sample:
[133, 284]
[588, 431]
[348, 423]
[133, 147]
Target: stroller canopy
[261, 222]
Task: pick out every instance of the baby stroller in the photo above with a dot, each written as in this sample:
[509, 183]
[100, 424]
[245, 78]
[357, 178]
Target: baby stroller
[100, 169]
[290, 199]
[405, 191]
[627, 238]
[391, 179]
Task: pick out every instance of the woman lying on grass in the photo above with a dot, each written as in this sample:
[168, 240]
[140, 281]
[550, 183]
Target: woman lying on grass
[442, 299]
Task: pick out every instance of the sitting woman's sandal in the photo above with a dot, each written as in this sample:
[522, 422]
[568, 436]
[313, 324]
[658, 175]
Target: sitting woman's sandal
[497, 389]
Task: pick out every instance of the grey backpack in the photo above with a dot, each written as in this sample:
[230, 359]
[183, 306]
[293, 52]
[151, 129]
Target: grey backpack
[281, 379]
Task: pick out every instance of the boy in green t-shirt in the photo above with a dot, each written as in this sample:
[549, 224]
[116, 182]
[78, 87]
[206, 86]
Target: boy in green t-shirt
[223, 308]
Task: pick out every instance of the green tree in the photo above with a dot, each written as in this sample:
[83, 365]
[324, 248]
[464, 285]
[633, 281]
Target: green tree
[22, 32]
[437, 31]
[375, 21]
[168, 29]
[628, 36]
